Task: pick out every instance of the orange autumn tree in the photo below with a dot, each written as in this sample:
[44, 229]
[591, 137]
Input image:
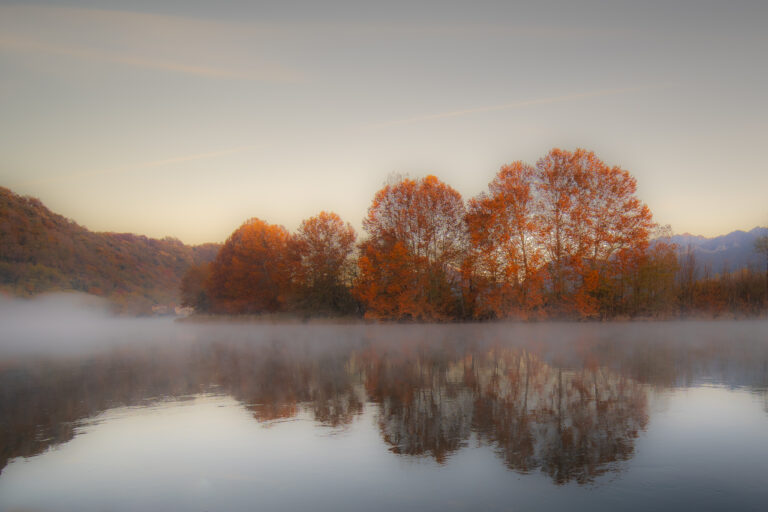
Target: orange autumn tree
[567, 236]
[324, 247]
[504, 258]
[557, 188]
[591, 224]
[410, 264]
[561, 237]
[251, 273]
[611, 230]
[616, 228]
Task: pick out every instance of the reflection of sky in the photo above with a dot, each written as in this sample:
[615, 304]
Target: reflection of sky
[705, 449]
[206, 114]
[447, 393]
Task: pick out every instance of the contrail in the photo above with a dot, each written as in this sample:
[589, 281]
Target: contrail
[508, 106]
[140, 166]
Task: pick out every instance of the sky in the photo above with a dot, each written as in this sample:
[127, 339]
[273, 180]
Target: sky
[186, 118]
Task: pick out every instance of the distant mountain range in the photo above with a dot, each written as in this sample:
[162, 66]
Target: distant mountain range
[42, 251]
[729, 252]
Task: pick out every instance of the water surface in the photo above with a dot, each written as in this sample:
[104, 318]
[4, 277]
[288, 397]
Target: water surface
[157, 415]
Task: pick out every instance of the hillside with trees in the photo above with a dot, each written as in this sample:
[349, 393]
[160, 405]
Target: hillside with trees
[41, 251]
[565, 237]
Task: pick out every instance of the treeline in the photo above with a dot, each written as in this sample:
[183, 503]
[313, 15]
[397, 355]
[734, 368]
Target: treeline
[41, 251]
[701, 291]
[566, 237]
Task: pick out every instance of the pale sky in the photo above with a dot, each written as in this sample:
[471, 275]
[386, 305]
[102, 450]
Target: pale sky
[186, 118]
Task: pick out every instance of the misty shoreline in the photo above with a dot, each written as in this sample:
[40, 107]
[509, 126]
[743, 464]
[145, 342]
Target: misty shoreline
[287, 319]
[60, 305]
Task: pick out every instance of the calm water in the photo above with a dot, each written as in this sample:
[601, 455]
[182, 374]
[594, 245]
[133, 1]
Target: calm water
[157, 415]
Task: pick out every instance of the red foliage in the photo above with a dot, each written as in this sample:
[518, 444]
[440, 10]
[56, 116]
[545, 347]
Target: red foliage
[251, 273]
[324, 268]
[410, 265]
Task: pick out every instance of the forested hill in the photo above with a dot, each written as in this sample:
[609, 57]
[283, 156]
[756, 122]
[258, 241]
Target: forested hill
[42, 251]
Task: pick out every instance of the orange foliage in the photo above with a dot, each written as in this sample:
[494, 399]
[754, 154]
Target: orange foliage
[504, 257]
[590, 219]
[555, 235]
[409, 267]
[41, 251]
[388, 284]
[557, 189]
[251, 273]
[567, 236]
[324, 245]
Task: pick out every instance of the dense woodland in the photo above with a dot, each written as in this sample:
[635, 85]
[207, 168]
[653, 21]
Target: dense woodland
[564, 238]
[41, 251]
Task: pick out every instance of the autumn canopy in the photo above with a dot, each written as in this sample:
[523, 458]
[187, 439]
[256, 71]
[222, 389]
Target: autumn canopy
[564, 237]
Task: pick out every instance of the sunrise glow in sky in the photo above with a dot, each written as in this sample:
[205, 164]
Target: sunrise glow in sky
[186, 118]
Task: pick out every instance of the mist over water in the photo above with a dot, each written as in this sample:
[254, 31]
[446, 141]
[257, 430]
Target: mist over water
[223, 414]
[72, 322]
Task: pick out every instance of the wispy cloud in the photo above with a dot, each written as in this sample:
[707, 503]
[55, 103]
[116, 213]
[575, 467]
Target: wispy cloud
[232, 49]
[514, 105]
[95, 55]
[138, 40]
[138, 166]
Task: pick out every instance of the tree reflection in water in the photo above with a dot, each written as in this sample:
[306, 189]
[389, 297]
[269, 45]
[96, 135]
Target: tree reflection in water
[573, 413]
[572, 424]
[424, 408]
[274, 382]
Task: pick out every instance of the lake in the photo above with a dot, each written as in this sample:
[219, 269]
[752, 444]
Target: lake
[119, 414]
